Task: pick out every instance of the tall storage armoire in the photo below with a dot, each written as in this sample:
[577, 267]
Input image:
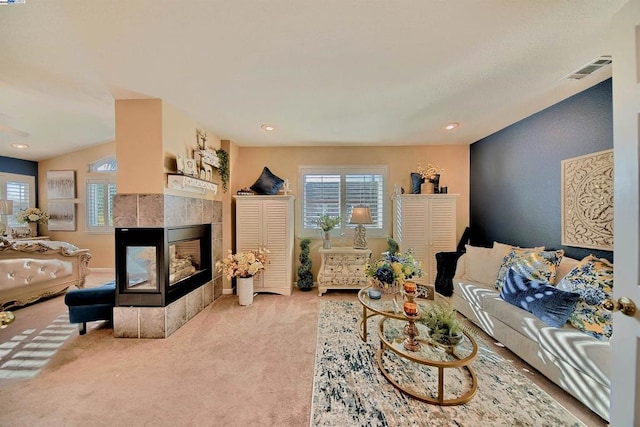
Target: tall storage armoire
[267, 221]
[425, 223]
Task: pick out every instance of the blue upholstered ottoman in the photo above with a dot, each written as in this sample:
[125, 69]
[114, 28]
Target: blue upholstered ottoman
[91, 304]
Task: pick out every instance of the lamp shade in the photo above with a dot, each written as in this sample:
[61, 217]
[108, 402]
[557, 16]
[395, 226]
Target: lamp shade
[361, 215]
[6, 207]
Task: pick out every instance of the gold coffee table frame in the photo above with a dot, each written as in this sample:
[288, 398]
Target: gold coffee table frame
[457, 362]
[385, 307]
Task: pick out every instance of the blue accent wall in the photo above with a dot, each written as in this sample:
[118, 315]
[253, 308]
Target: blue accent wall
[515, 189]
[21, 167]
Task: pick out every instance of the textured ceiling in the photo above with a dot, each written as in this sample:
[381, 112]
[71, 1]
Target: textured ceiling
[328, 72]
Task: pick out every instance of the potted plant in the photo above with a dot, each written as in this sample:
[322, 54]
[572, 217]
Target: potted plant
[443, 324]
[327, 223]
[305, 277]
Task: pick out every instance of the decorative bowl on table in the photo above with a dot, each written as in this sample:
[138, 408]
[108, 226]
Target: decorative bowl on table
[375, 293]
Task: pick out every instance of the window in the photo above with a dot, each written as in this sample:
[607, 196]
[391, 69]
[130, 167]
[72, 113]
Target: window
[21, 190]
[101, 190]
[335, 190]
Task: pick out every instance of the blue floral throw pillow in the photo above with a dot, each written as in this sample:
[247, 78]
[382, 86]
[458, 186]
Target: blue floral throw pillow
[541, 266]
[592, 279]
[547, 303]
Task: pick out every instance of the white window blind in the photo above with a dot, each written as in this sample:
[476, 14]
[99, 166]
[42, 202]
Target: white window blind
[100, 194]
[336, 190]
[21, 190]
[101, 190]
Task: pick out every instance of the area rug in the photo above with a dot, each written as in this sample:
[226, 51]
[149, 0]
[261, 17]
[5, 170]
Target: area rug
[350, 390]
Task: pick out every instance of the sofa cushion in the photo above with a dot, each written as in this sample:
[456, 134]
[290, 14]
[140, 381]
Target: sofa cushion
[552, 306]
[516, 318]
[566, 265]
[482, 264]
[582, 351]
[474, 293]
[592, 278]
[537, 265]
[267, 183]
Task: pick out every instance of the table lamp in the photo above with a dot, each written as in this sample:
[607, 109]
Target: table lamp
[360, 215]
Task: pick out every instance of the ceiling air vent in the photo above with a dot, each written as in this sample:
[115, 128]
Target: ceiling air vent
[590, 68]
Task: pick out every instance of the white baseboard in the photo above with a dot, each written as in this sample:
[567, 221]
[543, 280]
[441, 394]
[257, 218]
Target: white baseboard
[227, 292]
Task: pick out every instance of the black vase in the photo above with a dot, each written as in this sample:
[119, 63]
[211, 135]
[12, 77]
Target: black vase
[436, 183]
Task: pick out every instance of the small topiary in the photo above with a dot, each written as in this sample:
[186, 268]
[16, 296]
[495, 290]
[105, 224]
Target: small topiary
[393, 246]
[305, 277]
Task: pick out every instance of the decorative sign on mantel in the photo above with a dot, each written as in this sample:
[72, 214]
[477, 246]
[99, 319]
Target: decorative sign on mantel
[203, 162]
[587, 201]
[190, 184]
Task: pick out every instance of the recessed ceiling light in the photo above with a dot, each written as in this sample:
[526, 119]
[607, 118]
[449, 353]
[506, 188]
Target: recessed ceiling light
[451, 126]
[267, 127]
[20, 146]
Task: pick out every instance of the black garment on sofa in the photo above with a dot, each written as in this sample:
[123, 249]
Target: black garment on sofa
[446, 263]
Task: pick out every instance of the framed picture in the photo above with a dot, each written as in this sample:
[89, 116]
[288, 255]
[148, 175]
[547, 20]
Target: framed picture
[62, 216]
[587, 201]
[190, 167]
[61, 185]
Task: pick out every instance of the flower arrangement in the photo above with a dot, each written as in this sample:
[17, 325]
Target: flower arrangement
[392, 270]
[328, 222]
[429, 172]
[243, 264]
[33, 215]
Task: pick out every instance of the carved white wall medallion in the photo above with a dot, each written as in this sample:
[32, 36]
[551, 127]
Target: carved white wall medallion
[587, 201]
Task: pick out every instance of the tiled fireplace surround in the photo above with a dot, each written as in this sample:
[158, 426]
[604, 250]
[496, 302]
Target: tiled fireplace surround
[159, 210]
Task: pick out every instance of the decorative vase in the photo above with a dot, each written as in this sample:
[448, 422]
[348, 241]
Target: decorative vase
[33, 229]
[436, 183]
[245, 290]
[326, 240]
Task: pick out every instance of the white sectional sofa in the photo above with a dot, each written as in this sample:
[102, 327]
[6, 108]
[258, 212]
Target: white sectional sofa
[574, 360]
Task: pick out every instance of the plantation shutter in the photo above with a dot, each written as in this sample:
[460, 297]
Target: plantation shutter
[20, 193]
[365, 189]
[321, 196]
[100, 194]
[335, 191]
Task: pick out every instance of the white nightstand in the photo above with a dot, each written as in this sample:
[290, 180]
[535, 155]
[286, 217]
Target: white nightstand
[343, 268]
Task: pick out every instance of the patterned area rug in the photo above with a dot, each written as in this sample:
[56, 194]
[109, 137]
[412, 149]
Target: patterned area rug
[350, 390]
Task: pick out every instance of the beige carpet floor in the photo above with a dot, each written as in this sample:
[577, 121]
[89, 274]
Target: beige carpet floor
[229, 366]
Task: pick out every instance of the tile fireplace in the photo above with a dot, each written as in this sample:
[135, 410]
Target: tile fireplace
[166, 247]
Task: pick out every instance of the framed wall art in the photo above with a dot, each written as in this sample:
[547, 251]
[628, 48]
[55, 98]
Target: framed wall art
[587, 201]
[61, 185]
[62, 216]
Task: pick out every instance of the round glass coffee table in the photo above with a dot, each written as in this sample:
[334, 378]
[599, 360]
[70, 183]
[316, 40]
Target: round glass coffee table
[389, 305]
[413, 372]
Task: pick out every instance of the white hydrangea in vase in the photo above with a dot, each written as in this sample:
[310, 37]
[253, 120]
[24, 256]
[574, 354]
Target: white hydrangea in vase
[32, 216]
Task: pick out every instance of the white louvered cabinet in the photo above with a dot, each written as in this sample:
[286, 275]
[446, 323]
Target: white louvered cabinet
[425, 223]
[267, 221]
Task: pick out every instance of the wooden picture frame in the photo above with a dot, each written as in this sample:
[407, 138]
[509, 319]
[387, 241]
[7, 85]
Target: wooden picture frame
[62, 216]
[61, 185]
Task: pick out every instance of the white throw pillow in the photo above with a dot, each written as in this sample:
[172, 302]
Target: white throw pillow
[483, 263]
